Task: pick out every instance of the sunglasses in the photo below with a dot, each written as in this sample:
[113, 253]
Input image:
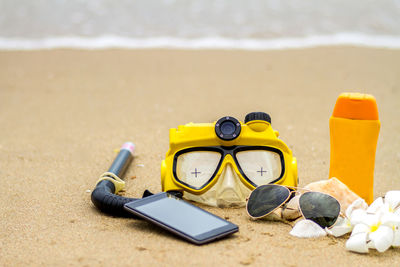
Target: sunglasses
[320, 208]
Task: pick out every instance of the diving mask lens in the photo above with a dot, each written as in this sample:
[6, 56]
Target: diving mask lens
[197, 168]
[320, 208]
[265, 199]
[260, 166]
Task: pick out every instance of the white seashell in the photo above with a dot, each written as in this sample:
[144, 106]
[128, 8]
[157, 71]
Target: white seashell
[307, 229]
[357, 204]
[358, 242]
[382, 238]
[341, 227]
[393, 199]
[291, 210]
[375, 206]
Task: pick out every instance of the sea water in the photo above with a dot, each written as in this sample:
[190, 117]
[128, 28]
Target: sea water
[198, 24]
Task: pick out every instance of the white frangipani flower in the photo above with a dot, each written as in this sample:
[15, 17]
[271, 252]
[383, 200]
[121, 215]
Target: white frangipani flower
[358, 239]
[378, 227]
[393, 200]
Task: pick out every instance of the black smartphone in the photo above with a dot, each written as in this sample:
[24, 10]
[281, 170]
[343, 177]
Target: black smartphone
[182, 218]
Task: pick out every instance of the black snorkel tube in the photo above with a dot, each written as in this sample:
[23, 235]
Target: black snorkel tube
[104, 195]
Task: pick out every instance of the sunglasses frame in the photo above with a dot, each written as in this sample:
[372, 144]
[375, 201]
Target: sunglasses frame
[294, 190]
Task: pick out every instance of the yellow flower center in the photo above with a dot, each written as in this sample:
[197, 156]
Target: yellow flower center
[375, 227]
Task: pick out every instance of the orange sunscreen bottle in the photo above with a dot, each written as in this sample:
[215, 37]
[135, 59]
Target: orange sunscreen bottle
[354, 129]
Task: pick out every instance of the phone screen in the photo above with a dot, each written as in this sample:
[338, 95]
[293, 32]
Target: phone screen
[181, 217]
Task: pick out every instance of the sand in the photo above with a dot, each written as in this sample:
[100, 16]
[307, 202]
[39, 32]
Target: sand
[64, 112]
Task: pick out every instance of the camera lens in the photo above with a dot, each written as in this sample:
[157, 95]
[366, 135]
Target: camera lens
[227, 128]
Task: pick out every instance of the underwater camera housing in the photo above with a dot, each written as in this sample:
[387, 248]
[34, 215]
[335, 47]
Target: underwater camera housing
[202, 155]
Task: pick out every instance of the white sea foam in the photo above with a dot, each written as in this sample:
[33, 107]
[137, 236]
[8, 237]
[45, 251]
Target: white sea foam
[191, 24]
[109, 41]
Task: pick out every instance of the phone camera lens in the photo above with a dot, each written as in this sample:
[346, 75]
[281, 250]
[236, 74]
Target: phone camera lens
[227, 128]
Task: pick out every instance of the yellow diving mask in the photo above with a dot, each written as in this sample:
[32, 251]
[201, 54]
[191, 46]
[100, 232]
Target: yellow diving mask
[220, 163]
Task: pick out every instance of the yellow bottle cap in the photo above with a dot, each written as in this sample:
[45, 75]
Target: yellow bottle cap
[356, 106]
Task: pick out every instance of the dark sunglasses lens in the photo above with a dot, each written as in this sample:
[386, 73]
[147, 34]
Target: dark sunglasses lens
[320, 208]
[265, 199]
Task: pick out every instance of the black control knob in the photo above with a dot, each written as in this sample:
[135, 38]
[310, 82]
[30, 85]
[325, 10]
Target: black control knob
[259, 116]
